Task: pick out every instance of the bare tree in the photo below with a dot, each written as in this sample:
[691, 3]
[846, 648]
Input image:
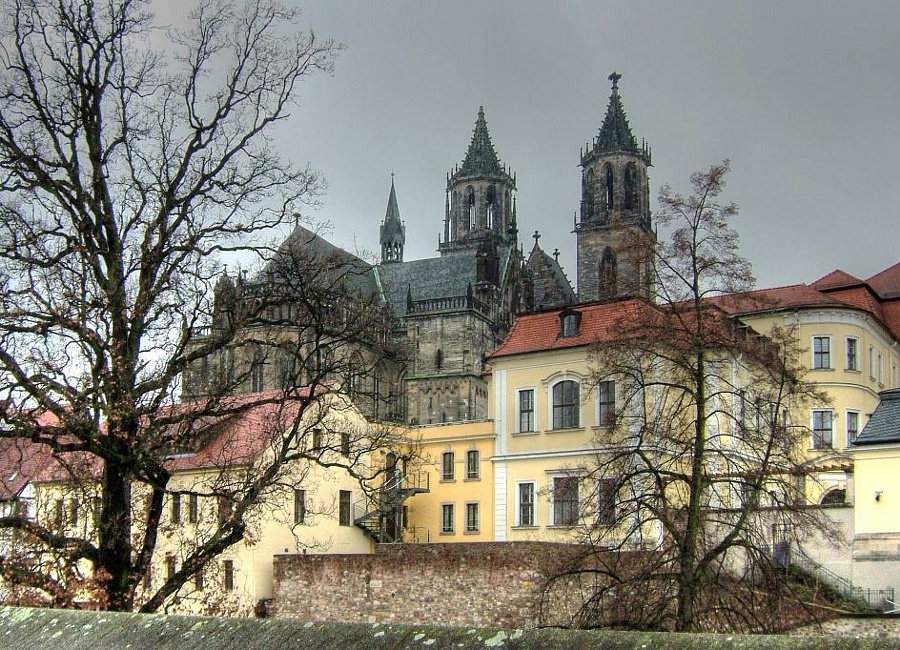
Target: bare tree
[125, 171]
[698, 467]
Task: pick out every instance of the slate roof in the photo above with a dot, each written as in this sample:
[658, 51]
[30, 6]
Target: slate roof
[551, 286]
[883, 426]
[335, 265]
[435, 277]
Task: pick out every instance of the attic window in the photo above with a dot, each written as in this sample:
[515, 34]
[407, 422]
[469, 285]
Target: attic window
[570, 322]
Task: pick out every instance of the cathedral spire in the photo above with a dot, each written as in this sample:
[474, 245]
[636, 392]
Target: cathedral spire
[615, 210]
[480, 197]
[393, 232]
[481, 158]
[615, 132]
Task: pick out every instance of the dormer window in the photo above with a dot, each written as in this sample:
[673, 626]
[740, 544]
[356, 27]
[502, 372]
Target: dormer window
[570, 323]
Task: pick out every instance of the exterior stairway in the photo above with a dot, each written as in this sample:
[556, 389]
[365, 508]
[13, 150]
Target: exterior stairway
[383, 518]
[872, 599]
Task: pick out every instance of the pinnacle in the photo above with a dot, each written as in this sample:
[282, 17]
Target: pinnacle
[481, 158]
[615, 133]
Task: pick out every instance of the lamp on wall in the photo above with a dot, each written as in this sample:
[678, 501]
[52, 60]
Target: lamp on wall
[878, 495]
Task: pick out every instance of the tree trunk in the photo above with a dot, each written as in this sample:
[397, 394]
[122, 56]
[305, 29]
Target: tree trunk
[114, 570]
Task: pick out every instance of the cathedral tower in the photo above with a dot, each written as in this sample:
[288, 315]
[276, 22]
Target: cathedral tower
[393, 232]
[614, 223]
[480, 205]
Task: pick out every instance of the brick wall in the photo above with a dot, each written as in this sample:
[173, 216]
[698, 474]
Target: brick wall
[480, 584]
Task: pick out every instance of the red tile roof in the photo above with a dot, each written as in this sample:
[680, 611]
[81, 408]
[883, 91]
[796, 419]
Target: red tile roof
[244, 426]
[879, 295]
[542, 331]
[887, 282]
[762, 300]
[837, 278]
[20, 461]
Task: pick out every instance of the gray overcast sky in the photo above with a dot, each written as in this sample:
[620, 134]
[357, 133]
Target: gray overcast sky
[803, 97]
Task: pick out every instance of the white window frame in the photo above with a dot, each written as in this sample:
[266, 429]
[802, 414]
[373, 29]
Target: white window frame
[821, 337]
[519, 504]
[848, 340]
[519, 392]
[445, 476]
[551, 405]
[451, 508]
[812, 428]
[599, 517]
[472, 506]
[598, 419]
[553, 508]
[470, 474]
[847, 416]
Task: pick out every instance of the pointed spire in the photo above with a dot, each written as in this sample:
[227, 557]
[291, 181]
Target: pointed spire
[393, 232]
[481, 158]
[615, 133]
[393, 210]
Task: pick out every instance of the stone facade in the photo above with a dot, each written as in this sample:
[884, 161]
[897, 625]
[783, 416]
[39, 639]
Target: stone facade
[484, 584]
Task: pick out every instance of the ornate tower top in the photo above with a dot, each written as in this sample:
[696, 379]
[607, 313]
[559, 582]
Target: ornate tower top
[480, 197]
[393, 232]
[615, 133]
[481, 158]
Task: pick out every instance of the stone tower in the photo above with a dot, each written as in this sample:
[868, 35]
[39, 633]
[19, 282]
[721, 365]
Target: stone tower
[480, 207]
[393, 232]
[614, 225]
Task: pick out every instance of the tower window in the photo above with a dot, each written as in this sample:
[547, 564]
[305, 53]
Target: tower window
[631, 187]
[608, 275]
[588, 190]
[608, 188]
[489, 208]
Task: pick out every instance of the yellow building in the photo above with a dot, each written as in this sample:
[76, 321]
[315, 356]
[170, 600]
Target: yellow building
[848, 331]
[876, 451]
[314, 503]
[457, 467]
[548, 414]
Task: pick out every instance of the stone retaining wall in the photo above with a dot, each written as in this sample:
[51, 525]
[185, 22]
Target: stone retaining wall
[484, 584]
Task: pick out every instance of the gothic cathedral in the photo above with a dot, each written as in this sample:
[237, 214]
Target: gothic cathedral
[446, 314]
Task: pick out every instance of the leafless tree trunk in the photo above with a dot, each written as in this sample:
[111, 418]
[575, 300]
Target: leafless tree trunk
[700, 463]
[125, 173]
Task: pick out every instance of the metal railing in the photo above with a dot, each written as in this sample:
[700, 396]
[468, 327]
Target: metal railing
[876, 599]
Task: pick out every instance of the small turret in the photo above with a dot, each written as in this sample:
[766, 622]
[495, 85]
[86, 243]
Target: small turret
[393, 232]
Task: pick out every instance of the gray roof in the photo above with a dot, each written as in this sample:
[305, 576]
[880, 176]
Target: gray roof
[435, 277]
[884, 425]
[333, 266]
[551, 286]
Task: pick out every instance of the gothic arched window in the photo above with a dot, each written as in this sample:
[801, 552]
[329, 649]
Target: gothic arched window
[489, 207]
[608, 275]
[470, 209]
[588, 192]
[608, 187]
[631, 187]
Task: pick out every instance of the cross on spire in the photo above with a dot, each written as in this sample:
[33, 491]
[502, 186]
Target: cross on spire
[614, 77]
[536, 235]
